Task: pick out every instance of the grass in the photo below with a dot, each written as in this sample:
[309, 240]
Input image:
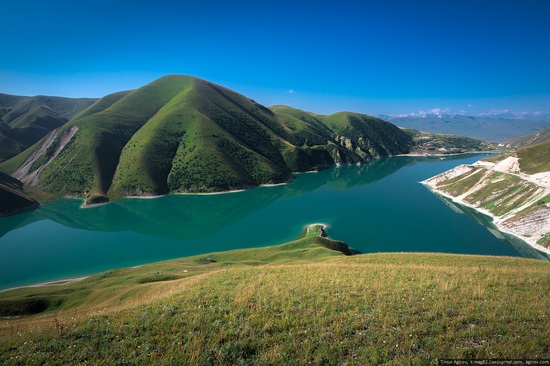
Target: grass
[544, 240]
[535, 159]
[462, 183]
[532, 139]
[298, 303]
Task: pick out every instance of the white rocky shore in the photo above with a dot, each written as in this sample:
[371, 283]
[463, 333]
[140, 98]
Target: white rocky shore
[528, 227]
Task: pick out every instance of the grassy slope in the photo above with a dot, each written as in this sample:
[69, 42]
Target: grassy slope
[535, 159]
[500, 193]
[25, 120]
[290, 304]
[314, 143]
[528, 140]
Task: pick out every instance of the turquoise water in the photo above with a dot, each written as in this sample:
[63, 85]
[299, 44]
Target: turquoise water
[379, 207]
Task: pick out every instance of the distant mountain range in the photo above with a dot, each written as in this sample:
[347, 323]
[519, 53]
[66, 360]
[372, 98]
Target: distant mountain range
[183, 134]
[488, 128]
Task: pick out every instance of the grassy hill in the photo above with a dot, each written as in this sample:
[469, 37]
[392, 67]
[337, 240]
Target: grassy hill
[296, 303]
[25, 120]
[183, 134]
[12, 197]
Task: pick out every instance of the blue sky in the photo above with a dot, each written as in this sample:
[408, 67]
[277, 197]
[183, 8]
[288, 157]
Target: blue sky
[368, 56]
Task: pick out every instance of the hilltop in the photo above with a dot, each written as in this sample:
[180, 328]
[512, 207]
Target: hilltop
[514, 189]
[297, 303]
[184, 134]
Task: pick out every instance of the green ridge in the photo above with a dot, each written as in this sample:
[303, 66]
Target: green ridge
[183, 134]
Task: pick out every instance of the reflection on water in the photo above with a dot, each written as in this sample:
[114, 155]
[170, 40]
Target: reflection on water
[522, 247]
[191, 216]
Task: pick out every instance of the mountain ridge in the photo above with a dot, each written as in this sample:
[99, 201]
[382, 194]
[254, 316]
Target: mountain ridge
[184, 134]
[25, 120]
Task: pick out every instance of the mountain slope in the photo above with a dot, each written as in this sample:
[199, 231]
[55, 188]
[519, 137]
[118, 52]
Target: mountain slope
[482, 128]
[12, 198]
[532, 139]
[25, 120]
[513, 188]
[368, 136]
[183, 134]
[314, 144]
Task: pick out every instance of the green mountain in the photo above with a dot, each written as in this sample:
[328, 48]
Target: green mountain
[514, 189]
[528, 140]
[183, 134]
[12, 198]
[25, 120]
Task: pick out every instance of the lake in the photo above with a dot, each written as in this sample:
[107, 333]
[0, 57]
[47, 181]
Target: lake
[378, 207]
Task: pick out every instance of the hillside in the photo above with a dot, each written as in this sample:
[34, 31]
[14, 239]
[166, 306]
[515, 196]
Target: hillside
[368, 136]
[12, 198]
[481, 128]
[532, 139]
[25, 120]
[183, 134]
[296, 303]
[514, 189]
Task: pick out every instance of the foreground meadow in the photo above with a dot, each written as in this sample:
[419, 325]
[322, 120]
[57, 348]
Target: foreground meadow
[297, 303]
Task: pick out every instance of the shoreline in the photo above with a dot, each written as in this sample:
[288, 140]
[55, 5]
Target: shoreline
[495, 220]
[62, 281]
[421, 155]
[267, 185]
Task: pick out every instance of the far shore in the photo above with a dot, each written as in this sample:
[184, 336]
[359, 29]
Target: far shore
[452, 154]
[268, 185]
[63, 281]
